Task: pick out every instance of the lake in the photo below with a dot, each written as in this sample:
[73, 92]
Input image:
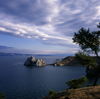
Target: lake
[21, 82]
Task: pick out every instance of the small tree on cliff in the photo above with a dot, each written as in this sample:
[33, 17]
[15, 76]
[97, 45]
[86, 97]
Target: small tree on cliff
[89, 42]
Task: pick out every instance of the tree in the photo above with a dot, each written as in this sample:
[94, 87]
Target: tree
[77, 83]
[89, 42]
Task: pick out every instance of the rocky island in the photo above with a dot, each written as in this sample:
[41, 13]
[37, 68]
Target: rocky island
[68, 61]
[32, 62]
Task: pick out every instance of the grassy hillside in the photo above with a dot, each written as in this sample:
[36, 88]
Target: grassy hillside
[71, 61]
[80, 93]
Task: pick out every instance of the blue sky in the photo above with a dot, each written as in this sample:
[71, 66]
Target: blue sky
[45, 26]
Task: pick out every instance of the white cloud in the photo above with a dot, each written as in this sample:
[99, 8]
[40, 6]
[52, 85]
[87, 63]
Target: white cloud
[34, 32]
[49, 21]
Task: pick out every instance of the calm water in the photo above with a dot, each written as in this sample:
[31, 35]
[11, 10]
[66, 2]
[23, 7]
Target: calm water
[20, 82]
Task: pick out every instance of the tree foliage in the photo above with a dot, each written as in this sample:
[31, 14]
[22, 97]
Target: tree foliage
[89, 42]
[77, 83]
[51, 92]
[85, 59]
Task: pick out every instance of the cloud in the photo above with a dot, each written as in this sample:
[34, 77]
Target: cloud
[49, 21]
[34, 32]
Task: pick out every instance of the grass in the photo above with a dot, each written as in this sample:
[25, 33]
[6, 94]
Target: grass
[80, 93]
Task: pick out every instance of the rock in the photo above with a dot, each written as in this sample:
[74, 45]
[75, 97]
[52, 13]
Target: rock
[40, 62]
[55, 64]
[58, 64]
[32, 62]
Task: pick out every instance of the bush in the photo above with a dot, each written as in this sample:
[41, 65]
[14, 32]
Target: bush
[2, 96]
[77, 83]
[51, 92]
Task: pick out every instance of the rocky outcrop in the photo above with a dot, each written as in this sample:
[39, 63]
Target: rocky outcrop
[72, 61]
[40, 62]
[32, 62]
[68, 61]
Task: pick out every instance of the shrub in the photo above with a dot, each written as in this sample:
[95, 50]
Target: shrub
[2, 96]
[51, 92]
[77, 83]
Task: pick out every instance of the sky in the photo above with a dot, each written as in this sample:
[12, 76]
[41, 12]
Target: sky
[45, 26]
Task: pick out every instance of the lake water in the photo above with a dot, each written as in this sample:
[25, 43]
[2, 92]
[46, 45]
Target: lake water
[21, 82]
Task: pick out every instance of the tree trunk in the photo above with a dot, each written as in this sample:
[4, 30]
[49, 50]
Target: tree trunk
[97, 55]
[96, 80]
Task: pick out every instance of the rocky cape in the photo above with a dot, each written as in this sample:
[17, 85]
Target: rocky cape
[32, 62]
[68, 61]
[72, 61]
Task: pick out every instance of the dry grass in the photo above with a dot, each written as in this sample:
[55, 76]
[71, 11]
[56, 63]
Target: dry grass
[80, 93]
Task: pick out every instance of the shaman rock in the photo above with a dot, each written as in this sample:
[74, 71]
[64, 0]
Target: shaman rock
[32, 62]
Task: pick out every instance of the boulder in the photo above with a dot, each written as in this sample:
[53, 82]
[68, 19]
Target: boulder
[32, 62]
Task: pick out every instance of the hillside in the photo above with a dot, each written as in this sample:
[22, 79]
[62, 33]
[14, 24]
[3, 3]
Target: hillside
[71, 61]
[80, 93]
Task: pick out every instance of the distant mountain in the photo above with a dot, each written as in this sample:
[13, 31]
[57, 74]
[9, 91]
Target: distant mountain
[19, 54]
[13, 54]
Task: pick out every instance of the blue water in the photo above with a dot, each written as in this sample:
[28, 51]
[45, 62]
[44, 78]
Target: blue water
[21, 82]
